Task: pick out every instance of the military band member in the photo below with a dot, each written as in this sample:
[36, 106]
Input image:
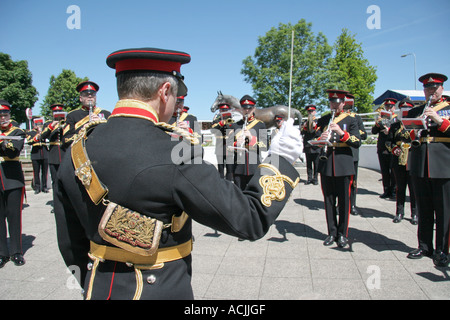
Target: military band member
[250, 141]
[184, 120]
[222, 127]
[12, 188]
[381, 128]
[398, 143]
[430, 171]
[336, 166]
[39, 156]
[310, 132]
[139, 247]
[53, 132]
[87, 112]
[349, 103]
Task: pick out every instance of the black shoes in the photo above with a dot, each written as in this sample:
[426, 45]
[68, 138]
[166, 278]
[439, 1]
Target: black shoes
[328, 241]
[3, 261]
[414, 219]
[440, 259]
[341, 241]
[353, 211]
[18, 259]
[418, 254]
[398, 218]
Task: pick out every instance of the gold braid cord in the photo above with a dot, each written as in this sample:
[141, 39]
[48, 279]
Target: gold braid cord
[273, 186]
[190, 137]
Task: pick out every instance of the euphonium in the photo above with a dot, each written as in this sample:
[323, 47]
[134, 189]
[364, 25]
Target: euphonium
[324, 156]
[403, 157]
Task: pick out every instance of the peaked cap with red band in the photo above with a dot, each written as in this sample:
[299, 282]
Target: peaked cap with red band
[87, 85]
[278, 117]
[5, 107]
[336, 94]
[406, 103]
[150, 59]
[57, 107]
[310, 107]
[390, 101]
[247, 101]
[224, 106]
[433, 79]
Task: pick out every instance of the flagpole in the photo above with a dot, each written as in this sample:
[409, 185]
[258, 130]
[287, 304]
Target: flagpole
[290, 76]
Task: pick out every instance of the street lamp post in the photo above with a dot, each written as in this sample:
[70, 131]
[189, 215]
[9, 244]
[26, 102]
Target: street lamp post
[415, 74]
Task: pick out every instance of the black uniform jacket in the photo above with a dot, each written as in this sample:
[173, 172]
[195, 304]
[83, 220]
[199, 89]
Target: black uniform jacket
[222, 129]
[54, 135]
[247, 162]
[39, 149]
[382, 136]
[340, 156]
[191, 121]
[432, 159]
[147, 176]
[362, 135]
[77, 119]
[308, 135]
[11, 174]
[398, 137]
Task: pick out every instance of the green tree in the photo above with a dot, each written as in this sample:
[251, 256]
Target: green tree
[16, 86]
[62, 89]
[268, 70]
[349, 70]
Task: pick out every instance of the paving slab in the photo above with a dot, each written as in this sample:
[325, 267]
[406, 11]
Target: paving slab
[288, 263]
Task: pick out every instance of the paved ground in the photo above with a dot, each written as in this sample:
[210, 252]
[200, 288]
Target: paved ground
[290, 262]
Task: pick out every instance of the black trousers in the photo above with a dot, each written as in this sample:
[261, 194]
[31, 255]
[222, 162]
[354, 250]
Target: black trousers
[387, 176]
[403, 180]
[40, 170]
[336, 191]
[223, 165]
[312, 164]
[354, 185]
[433, 203]
[11, 211]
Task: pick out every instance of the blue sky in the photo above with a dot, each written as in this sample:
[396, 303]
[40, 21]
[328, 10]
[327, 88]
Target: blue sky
[219, 35]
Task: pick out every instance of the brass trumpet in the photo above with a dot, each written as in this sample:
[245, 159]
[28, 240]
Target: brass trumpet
[324, 156]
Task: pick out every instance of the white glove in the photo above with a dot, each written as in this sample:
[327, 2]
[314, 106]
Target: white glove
[288, 142]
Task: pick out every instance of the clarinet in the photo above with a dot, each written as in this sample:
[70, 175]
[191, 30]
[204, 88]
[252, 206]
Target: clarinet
[324, 157]
[90, 111]
[416, 142]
